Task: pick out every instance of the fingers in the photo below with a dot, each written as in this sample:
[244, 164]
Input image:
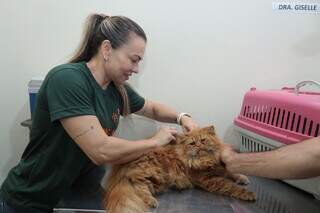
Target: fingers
[189, 125]
[227, 154]
[169, 129]
[165, 135]
[228, 146]
[186, 129]
[173, 130]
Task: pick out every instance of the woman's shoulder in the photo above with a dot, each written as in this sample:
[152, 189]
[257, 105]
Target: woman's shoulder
[68, 67]
[68, 70]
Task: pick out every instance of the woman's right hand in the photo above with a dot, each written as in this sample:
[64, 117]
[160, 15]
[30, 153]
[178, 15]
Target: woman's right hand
[165, 135]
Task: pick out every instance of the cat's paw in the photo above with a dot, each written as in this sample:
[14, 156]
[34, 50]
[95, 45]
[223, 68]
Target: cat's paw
[247, 196]
[151, 202]
[241, 179]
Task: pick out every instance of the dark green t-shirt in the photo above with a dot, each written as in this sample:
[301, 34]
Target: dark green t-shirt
[52, 160]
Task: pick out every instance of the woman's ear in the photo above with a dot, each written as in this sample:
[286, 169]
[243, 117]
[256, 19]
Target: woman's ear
[106, 49]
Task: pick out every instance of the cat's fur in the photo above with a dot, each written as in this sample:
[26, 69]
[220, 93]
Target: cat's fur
[191, 160]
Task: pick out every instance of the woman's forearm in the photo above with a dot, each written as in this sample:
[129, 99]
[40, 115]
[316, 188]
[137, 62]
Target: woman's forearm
[164, 113]
[117, 150]
[159, 112]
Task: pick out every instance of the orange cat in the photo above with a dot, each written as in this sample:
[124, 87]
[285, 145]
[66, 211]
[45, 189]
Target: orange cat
[191, 160]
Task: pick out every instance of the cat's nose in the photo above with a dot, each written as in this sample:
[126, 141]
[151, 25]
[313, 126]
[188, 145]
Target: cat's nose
[193, 153]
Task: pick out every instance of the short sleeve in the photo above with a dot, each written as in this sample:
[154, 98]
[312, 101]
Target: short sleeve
[68, 95]
[135, 100]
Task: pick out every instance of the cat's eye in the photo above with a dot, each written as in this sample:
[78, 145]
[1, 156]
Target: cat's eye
[190, 142]
[203, 139]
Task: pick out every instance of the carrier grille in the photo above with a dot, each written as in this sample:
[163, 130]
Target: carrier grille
[283, 119]
[249, 144]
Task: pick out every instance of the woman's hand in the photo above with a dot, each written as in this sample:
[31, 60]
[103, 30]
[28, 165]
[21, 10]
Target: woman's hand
[188, 124]
[165, 135]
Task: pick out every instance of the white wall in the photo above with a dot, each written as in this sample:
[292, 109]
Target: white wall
[202, 56]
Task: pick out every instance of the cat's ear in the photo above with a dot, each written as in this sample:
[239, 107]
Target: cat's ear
[210, 130]
[180, 138]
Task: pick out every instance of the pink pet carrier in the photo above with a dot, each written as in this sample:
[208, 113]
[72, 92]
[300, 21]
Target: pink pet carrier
[274, 118]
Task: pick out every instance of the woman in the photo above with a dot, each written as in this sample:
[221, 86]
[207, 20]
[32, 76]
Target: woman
[78, 108]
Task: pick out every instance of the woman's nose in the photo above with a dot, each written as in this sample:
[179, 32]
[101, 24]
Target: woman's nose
[135, 68]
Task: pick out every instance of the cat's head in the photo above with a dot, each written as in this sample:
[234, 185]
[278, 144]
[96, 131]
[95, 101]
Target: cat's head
[199, 149]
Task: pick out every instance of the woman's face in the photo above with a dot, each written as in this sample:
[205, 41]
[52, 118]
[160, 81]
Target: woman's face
[124, 61]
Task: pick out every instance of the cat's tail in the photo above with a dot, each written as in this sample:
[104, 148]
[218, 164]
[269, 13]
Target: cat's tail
[122, 198]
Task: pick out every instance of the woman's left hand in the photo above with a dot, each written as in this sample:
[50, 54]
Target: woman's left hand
[188, 124]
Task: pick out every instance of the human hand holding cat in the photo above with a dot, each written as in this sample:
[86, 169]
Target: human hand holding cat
[188, 124]
[227, 155]
[165, 135]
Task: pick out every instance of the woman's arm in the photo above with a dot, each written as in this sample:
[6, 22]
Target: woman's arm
[301, 160]
[87, 132]
[164, 113]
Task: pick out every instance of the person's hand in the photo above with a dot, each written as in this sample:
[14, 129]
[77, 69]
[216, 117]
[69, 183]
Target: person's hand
[165, 135]
[188, 124]
[227, 154]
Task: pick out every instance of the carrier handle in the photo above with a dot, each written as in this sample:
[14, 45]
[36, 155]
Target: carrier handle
[304, 83]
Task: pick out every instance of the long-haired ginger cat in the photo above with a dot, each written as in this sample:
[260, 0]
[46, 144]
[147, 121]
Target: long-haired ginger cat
[191, 160]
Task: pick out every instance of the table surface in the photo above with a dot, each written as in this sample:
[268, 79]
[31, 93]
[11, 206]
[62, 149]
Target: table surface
[272, 196]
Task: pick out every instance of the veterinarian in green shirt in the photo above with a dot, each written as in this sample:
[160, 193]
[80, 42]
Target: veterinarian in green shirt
[77, 111]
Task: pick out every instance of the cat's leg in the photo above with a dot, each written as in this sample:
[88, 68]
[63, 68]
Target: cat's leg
[182, 182]
[143, 191]
[224, 186]
[179, 180]
[239, 178]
